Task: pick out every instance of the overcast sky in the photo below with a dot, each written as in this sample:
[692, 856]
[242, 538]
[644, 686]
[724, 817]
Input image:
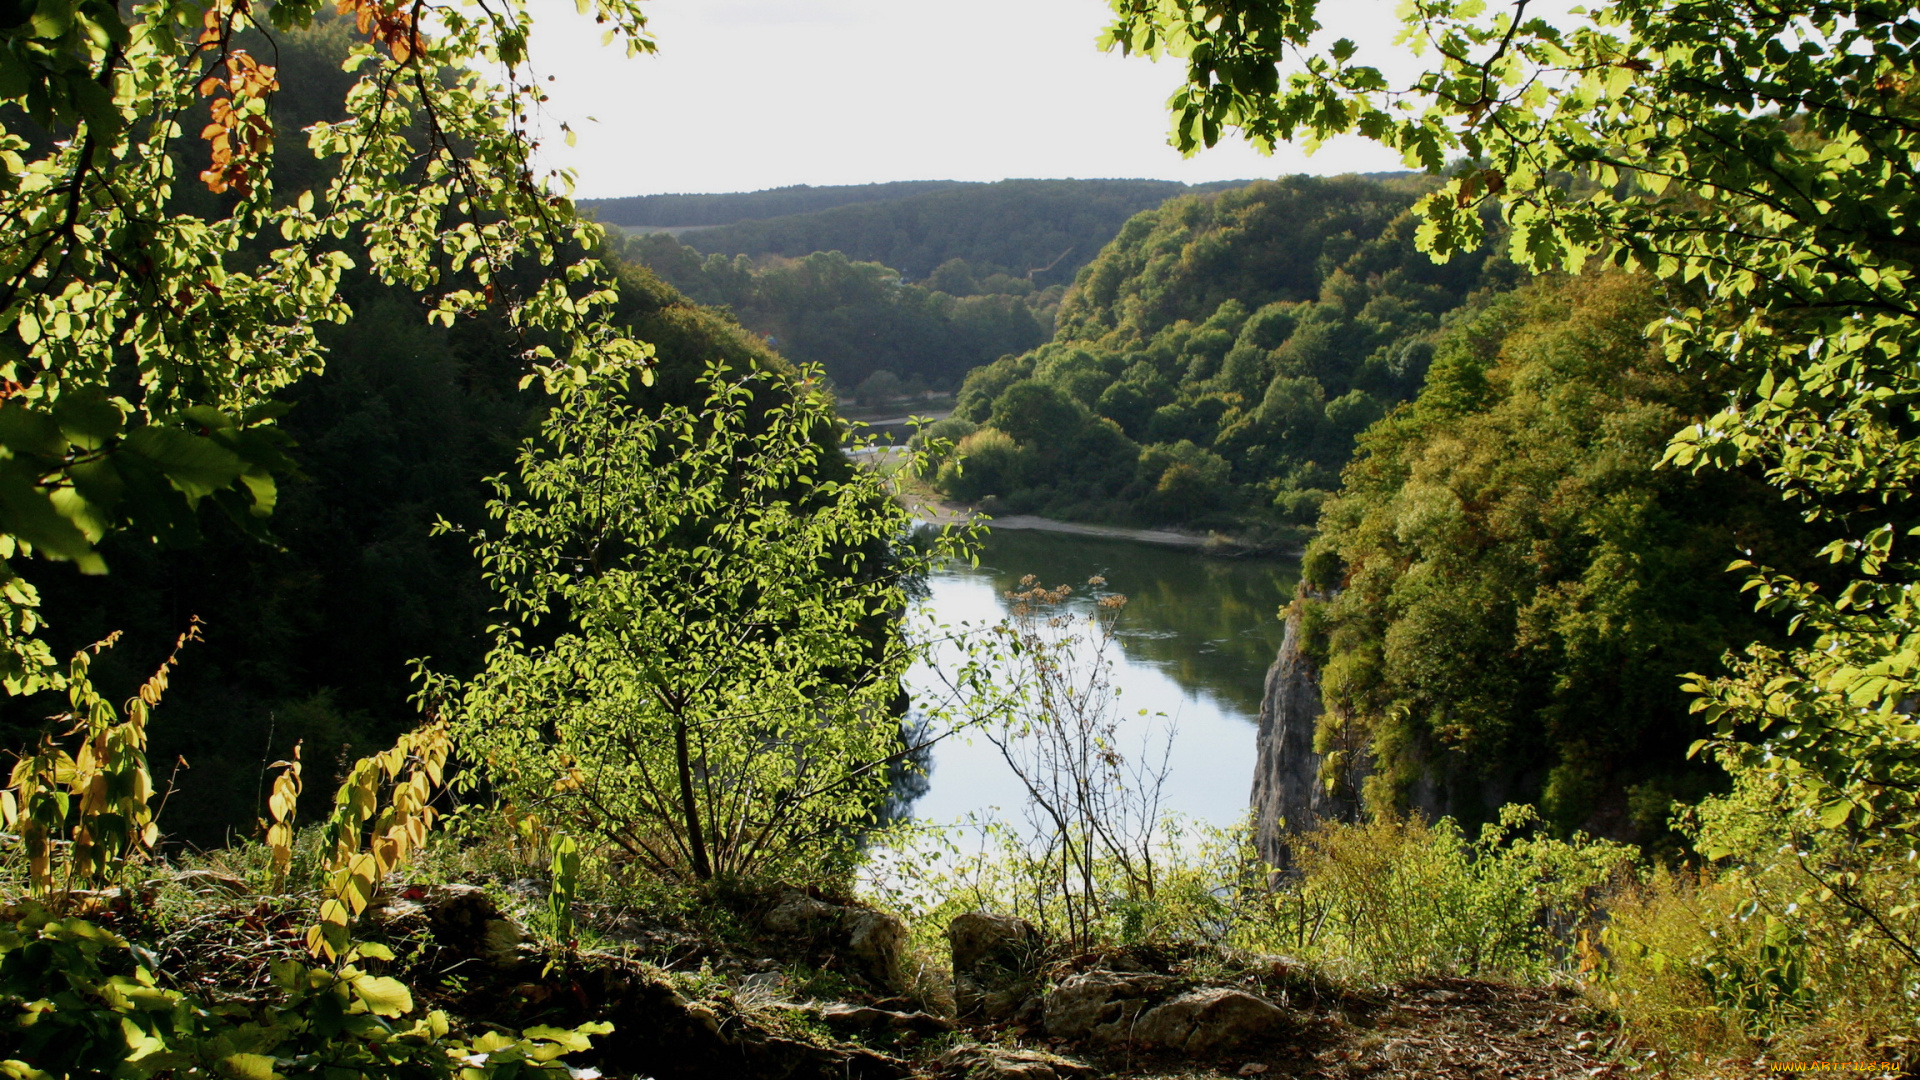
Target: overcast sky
[751, 94]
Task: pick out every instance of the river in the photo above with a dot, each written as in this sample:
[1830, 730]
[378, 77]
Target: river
[1195, 640]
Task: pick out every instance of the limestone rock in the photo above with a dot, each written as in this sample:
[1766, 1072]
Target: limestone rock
[207, 882]
[994, 957]
[798, 913]
[1104, 1006]
[1206, 1020]
[870, 944]
[876, 947]
[1288, 794]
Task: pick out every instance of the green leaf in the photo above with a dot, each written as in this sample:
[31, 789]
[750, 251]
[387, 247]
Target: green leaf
[381, 995]
[29, 513]
[89, 419]
[197, 466]
[29, 432]
[247, 1067]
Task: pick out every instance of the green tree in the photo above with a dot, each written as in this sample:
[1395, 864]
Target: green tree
[147, 327]
[699, 646]
[1513, 586]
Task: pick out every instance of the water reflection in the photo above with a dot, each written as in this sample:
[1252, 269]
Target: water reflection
[1209, 623]
[1195, 641]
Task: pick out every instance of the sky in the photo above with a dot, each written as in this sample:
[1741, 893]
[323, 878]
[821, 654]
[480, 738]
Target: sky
[752, 94]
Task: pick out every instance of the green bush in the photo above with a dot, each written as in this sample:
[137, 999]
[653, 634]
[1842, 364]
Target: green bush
[1794, 940]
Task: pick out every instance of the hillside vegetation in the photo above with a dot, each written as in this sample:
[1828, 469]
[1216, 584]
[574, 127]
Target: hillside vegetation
[1504, 589]
[856, 320]
[729, 207]
[1214, 364]
[1041, 230]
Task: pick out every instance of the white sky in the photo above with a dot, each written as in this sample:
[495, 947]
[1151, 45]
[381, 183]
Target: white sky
[752, 94]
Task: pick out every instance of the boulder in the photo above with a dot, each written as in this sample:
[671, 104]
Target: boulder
[868, 944]
[465, 918]
[463, 921]
[1104, 1006]
[994, 959]
[1206, 1020]
[876, 947]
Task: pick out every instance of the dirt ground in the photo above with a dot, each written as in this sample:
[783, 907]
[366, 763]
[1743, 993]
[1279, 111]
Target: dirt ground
[1453, 1028]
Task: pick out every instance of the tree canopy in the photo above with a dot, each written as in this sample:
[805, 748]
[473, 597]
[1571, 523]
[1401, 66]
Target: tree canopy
[1214, 364]
[1758, 161]
[152, 313]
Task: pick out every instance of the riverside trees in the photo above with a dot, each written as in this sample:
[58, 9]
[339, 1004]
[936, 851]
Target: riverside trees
[1759, 162]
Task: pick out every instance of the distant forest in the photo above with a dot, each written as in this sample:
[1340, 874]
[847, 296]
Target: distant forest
[1041, 230]
[729, 207]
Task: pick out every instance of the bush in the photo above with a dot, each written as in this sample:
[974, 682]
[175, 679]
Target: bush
[1397, 898]
[987, 462]
[1793, 940]
[698, 651]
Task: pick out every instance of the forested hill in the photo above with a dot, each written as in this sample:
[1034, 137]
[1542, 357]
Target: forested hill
[728, 207]
[1042, 230]
[1214, 364]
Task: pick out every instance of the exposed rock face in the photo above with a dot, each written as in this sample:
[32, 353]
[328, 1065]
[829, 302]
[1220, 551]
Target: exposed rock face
[844, 1017]
[1104, 1006]
[994, 957]
[1151, 1010]
[1203, 1021]
[867, 943]
[978, 1062]
[1288, 796]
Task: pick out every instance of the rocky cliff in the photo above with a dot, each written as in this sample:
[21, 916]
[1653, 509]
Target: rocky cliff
[1288, 795]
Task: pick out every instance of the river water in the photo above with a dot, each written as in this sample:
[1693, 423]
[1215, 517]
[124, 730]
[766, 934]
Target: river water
[1194, 643]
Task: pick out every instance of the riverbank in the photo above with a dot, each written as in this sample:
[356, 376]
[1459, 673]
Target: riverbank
[939, 511]
[927, 505]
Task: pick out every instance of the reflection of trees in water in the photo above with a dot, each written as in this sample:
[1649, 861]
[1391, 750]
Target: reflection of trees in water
[1212, 624]
[911, 776]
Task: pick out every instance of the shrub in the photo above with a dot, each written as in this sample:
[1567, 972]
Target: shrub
[698, 651]
[1793, 938]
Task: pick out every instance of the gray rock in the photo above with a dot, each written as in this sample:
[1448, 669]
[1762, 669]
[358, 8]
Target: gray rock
[798, 913]
[211, 881]
[1104, 1006]
[994, 960]
[876, 947]
[1206, 1020]
[870, 944]
[1289, 796]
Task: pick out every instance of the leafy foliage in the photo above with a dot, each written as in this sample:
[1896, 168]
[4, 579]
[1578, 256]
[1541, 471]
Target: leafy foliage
[1216, 361]
[1513, 585]
[1756, 159]
[698, 651]
[93, 802]
[148, 328]
[77, 1000]
[1758, 162]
